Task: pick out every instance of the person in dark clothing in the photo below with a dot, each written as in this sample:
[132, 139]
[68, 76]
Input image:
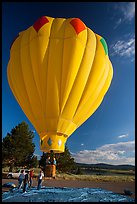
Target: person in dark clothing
[48, 161]
[31, 177]
[26, 180]
[40, 176]
[21, 178]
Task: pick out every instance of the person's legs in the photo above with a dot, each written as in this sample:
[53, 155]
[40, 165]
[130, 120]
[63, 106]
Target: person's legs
[39, 184]
[21, 184]
[30, 182]
[24, 187]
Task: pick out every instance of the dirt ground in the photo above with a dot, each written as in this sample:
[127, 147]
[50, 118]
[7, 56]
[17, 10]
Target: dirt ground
[116, 187]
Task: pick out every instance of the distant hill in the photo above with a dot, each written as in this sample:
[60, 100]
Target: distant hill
[106, 166]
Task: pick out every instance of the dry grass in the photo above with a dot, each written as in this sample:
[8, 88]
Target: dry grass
[97, 178]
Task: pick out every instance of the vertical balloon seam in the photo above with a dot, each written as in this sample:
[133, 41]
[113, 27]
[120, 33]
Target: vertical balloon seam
[25, 89]
[60, 100]
[47, 77]
[88, 113]
[32, 70]
[87, 77]
[85, 47]
[107, 82]
[40, 80]
[103, 77]
[100, 78]
[53, 75]
[73, 82]
[99, 99]
[13, 90]
[42, 88]
[61, 95]
[46, 71]
[57, 88]
[40, 92]
[28, 50]
[87, 116]
[81, 42]
[12, 85]
[99, 81]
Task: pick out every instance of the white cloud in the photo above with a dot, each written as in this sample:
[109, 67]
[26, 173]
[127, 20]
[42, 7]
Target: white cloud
[124, 48]
[82, 144]
[120, 146]
[118, 23]
[38, 156]
[123, 136]
[119, 153]
[127, 12]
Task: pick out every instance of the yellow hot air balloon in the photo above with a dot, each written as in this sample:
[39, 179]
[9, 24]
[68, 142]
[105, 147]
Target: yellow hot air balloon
[59, 72]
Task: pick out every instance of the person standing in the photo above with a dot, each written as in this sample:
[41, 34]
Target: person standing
[40, 176]
[31, 173]
[54, 168]
[54, 161]
[21, 178]
[26, 180]
[48, 161]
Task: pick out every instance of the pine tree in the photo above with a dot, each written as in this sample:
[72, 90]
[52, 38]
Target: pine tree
[17, 146]
[65, 163]
[42, 162]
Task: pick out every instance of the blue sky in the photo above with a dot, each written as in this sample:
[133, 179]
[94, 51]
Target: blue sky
[109, 134]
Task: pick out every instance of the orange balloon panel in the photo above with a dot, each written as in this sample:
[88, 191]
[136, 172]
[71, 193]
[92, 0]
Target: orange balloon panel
[59, 72]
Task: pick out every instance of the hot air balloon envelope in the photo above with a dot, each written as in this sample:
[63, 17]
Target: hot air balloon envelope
[59, 72]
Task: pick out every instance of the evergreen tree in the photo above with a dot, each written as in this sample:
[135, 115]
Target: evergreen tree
[79, 171]
[32, 162]
[42, 162]
[17, 146]
[7, 151]
[65, 163]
